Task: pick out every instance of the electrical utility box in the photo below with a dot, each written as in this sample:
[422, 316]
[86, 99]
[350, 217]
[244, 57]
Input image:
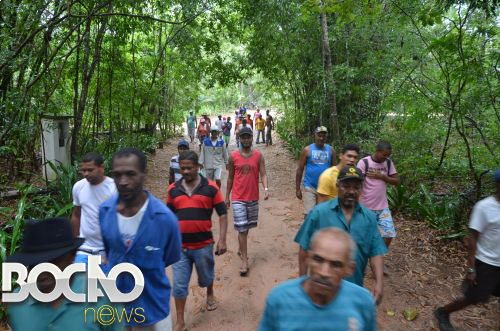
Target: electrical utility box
[56, 143]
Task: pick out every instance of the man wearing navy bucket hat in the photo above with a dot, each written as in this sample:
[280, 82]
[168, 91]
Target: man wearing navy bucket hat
[51, 241]
[483, 263]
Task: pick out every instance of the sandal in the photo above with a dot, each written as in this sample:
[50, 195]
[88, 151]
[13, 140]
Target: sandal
[211, 305]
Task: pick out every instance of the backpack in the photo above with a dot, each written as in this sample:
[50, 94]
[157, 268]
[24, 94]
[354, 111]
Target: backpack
[387, 161]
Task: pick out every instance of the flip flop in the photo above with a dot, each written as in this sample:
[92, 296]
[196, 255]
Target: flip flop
[244, 271]
[211, 305]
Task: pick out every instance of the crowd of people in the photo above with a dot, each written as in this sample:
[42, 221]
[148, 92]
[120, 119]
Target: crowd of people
[347, 226]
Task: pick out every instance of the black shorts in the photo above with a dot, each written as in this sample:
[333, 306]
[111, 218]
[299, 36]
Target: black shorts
[488, 283]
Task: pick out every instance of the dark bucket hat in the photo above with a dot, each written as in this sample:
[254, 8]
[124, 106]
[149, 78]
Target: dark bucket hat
[45, 240]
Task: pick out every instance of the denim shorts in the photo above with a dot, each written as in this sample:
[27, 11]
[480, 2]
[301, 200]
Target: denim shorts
[385, 223]
[203, 260]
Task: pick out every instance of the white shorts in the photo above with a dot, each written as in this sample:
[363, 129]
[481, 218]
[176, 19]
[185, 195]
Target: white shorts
[214, 174]
[309, 198]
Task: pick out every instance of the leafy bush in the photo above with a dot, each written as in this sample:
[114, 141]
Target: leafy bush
[445, 213]
[399, 198]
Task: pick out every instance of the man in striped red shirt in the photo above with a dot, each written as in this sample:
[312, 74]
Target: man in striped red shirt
[193, 200]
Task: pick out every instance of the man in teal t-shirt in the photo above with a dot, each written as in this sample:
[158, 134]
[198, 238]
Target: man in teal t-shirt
[192, 124]
[323, 300]
[346, 213]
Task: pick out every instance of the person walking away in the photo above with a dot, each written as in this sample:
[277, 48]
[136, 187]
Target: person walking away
[51, 241]
[327, 183]
[214, 156]
[174, 171]
[193, 200]
[269, 128]
[192, 124]
[482, 279]
[379, 170]
[138, 228]
[346, 213]
[322, 300]
[227, 131]
[314, 159]
[260, 125]
[245, 166]
[88, 194]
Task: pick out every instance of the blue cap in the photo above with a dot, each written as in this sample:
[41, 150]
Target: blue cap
[183, 143]
[497, 175]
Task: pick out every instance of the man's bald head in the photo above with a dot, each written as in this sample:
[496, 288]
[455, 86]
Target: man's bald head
[335, 234]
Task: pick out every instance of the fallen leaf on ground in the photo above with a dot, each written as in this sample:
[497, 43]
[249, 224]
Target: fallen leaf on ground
[410, 314]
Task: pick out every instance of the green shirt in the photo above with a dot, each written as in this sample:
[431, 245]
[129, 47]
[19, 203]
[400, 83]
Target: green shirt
[363, 229]
[31, 315]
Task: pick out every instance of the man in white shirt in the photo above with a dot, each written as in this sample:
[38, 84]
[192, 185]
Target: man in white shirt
[218, 124]
[88, 194]
[483, 263]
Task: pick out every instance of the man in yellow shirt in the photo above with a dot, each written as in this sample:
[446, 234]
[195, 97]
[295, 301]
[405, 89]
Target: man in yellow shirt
[327, 184]
[260, 125]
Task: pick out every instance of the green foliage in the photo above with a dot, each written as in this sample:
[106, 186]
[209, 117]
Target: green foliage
[447, 213]
[399, 198]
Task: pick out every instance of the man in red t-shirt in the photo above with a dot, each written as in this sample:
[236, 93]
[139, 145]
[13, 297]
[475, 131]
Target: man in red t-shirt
[193, 199]
[245, 166]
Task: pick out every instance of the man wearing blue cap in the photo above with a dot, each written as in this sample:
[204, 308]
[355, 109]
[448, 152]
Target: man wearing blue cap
[174, 169]
[483, 263]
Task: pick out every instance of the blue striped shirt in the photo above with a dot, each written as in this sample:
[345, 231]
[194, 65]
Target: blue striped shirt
[289, 307]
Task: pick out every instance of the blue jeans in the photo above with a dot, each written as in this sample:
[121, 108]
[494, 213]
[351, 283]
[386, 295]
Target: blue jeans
[203, 260]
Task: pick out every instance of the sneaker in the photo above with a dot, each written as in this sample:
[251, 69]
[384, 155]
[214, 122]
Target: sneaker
[443, 320]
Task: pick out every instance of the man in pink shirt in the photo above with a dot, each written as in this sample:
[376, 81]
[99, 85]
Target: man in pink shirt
[379, 171]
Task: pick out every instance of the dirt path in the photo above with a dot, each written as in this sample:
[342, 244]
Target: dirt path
[423, 272]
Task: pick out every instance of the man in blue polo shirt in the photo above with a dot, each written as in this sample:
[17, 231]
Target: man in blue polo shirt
[138, 228]
[346, 213]
[322, 300]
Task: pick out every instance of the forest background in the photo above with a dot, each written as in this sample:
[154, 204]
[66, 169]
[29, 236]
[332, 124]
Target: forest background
[422, 74]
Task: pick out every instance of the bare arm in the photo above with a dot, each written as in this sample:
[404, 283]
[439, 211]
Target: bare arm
[171, 176]
[75, 220]
[263, 176]
[302, 262]
[471, 258]
[377, 264]
[221, 244]
[300, 171]
[230, 178]
[393, 179]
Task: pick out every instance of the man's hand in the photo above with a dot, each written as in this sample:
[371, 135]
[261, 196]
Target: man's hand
[378, 292]
[228, 203]
[470, 277]
[266, 195]
[221, 247]
[298, 194]
[375, 174]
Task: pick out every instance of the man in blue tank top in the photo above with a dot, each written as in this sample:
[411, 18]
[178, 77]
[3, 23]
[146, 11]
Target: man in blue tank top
[315, 159]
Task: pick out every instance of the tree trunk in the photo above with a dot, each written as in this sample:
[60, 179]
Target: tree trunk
[331, 99]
